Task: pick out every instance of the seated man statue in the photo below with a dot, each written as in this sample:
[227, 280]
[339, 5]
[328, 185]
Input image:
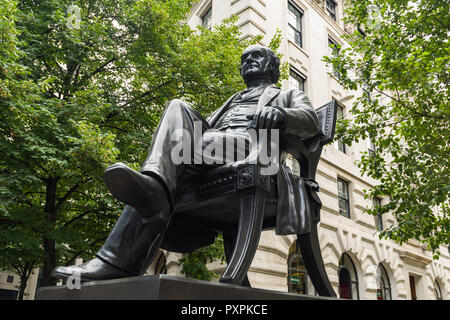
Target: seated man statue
[151, 196]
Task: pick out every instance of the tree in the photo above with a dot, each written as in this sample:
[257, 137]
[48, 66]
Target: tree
[19, 248]
[94, 78]
[399, 56]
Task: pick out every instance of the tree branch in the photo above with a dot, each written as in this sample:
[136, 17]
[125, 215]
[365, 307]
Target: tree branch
[99, 69]
[69, 193]
[75, 219]
[408, 107]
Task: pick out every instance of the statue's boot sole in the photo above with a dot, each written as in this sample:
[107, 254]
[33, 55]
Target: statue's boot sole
[144, 193]
[92, 270]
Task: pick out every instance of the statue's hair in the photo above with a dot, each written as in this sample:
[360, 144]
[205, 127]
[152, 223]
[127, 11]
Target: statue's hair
[274, 65]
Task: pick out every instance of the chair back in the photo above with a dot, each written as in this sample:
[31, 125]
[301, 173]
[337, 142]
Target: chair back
[327, 119]
[309, 152]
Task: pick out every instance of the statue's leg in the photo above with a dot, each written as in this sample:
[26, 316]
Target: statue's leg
[134, 241]
[180, 117]
[131, 246]
[128, 251]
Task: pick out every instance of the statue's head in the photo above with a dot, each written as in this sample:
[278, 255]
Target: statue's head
[258, 62]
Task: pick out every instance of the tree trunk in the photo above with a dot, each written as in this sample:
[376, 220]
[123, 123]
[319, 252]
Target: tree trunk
[22, 287]
[49, 244]
[49, 263]
[24, 276]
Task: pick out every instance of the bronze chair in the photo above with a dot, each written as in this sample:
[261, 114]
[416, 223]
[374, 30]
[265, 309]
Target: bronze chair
[239, 202]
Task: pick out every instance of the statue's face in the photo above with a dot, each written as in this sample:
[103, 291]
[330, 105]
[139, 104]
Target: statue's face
[255, 63]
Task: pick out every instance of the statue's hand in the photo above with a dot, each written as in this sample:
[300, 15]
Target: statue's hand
[268, 118]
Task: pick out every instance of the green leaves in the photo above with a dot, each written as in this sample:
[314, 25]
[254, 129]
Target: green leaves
[74, 100]
[194, 264]
[402, 66]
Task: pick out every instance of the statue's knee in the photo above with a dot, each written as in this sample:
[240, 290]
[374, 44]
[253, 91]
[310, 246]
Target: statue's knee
[176, 105]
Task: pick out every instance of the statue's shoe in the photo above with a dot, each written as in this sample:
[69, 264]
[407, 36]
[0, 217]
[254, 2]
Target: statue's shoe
[143, 192]
[92, 270]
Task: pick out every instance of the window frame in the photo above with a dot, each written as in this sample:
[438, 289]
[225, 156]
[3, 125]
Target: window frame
[412, 287]
[346, 200]
[161, 264]
[295, 253]
[340, 115]
[354, 283]
[207, 19]
[302, 271]
[298, 32]
[378, 218]
[371, 147]
[333, 51]
[437, 291]
[332, 12]
[6, 294]
[382, 289]
[297, 76]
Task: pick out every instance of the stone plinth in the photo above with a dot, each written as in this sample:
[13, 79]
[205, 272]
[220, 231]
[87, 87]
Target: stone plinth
[163, 287]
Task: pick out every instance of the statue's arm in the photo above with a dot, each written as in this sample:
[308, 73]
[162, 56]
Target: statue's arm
[208, 119]
[301, 118]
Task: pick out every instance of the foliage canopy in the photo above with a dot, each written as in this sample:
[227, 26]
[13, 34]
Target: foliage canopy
[82, 85]
[399, 56]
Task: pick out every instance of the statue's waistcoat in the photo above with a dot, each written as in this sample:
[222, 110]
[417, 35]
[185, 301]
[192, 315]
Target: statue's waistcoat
[243, 105]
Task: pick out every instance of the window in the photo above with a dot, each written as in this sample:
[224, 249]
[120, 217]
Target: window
[160, 266]
[437, 291]
[378, 217]
[8, 294]
[348, 278]
[297, 276]
[296, 81]
[206, 19]
[371, 147]
[333, 51]
[295, 24]
[340, 115]
[412, 287]
[365, 86]
[40, 279]
[10, 279]
[331, 8]
[383, 284]
[343, 197]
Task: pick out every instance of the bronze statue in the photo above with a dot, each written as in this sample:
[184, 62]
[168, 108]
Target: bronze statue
[153, 196]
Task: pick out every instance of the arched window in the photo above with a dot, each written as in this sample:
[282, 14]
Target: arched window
[384, 291]
[437, 291]
[297, 276]
[160, 265]
[348, 278]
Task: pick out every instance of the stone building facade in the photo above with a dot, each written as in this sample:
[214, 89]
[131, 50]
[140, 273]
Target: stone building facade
[359, 264]
[10, 282]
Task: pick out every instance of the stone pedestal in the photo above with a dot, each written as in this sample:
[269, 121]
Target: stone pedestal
[163, 287]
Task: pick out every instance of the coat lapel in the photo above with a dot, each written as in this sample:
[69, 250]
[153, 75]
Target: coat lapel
[218, 113]
[270, 92]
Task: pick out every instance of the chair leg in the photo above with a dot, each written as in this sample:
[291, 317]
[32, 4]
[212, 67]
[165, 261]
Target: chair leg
[247, 238]
[312, 257]
[229, 241]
